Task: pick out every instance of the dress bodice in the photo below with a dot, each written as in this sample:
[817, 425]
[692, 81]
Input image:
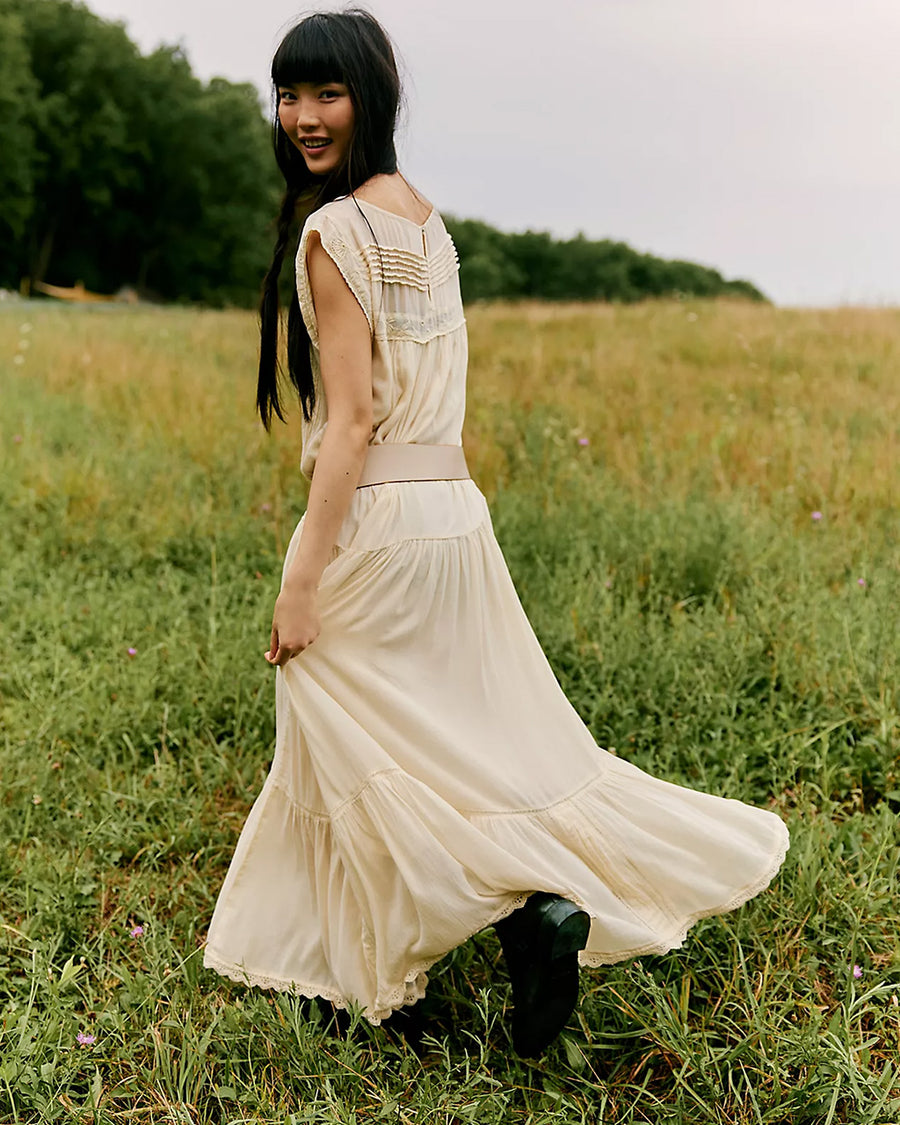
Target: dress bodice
[405, 276]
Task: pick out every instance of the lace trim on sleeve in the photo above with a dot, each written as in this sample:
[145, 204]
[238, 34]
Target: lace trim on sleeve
[347, 260]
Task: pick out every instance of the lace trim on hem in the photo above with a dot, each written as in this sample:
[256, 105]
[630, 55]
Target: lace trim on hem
[415, 979]
[675, 940]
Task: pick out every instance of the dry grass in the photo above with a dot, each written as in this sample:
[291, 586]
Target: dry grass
[729, 396]
[733, 396]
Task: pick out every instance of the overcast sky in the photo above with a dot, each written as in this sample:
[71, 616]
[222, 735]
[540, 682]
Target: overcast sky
[761, 137]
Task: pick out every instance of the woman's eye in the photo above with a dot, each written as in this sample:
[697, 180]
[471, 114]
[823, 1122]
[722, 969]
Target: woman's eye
[285, 95]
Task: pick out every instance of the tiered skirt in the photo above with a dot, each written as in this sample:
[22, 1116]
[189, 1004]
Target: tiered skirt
[429, 773]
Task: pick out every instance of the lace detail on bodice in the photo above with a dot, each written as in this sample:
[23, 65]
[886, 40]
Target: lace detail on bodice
[421, 329]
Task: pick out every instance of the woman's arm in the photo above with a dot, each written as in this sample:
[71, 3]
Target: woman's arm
[345, 354]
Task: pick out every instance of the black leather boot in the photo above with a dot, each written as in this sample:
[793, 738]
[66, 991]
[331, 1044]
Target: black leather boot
[540, 944]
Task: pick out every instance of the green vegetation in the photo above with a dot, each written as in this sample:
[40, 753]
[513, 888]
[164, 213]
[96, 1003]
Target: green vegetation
[119, 170]
[534, 264]
[703, 622]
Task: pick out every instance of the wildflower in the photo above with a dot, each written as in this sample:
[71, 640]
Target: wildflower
[17, 438]
[132, 652]
[816, 516]
[137, 931]
[857, 972]
[584, 441]
[18, 360]
[85, 1040]
[860, 582]
[25, 327]
[265, 507]
[36, 799]
[608, 583]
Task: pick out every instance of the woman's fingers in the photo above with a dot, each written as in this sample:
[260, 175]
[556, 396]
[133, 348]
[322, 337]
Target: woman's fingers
[280, 652]
[273, 646]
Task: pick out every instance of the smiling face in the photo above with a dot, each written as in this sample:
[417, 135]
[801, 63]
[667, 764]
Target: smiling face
[319, 120]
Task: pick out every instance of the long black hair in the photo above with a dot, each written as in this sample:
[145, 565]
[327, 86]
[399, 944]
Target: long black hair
[353, 48]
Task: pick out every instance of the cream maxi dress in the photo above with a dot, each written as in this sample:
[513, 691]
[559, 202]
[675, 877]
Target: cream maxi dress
[429, 773]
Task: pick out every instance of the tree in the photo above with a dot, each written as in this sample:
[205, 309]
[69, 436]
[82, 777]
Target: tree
[17, 143]
[84, 70]
[137, 173]
[534, 264]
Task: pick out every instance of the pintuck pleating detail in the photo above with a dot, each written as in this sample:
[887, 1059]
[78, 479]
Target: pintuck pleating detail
[389, 265]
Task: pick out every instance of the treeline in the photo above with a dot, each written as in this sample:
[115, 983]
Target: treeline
[118, 169]
[534, 264]
[122, 169]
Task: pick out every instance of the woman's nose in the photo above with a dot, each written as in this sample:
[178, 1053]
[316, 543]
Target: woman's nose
[307, 115]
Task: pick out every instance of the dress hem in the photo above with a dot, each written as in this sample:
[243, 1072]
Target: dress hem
[677, 938]
[415, 978]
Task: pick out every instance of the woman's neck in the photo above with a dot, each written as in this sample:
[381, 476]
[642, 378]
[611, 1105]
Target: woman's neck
[391, 192]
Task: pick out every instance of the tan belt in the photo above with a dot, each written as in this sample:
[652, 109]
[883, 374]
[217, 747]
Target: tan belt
[394, 461]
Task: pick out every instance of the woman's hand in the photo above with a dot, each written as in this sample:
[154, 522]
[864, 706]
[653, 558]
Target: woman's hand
[295, 623]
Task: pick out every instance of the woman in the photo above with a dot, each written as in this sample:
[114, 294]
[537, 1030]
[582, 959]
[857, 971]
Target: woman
[430, 778]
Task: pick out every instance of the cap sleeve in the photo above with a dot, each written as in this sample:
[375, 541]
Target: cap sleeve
[341, 243]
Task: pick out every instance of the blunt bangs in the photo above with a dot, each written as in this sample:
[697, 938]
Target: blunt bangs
[308, 53]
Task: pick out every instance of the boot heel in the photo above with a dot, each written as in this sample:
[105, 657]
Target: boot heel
[564, 929]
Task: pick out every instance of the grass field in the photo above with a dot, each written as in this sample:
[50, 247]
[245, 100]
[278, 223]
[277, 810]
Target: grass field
[699, 506]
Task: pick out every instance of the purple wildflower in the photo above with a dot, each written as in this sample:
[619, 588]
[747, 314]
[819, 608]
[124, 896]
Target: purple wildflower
[132, 652]
[584, 441]
[816, 516]
[85, 1040]
[857, 972]
[137, 931]
[860, 582]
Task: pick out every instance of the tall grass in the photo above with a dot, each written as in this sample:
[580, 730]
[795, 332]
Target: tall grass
[704, 623]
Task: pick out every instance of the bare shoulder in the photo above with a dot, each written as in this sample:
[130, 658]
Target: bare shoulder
[393, 193]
